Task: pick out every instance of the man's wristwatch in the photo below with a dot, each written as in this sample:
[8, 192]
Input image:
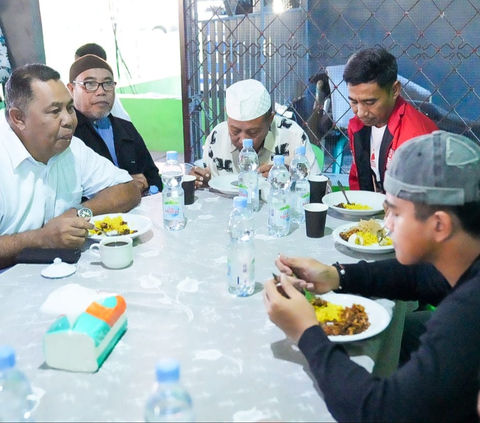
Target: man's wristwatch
[84, 212]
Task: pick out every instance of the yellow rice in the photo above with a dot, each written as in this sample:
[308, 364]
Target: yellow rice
[328, 313]
[356, 206]
[109, 224]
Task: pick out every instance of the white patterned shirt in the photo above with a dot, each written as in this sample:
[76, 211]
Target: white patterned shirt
[284, 136]
[31, 193]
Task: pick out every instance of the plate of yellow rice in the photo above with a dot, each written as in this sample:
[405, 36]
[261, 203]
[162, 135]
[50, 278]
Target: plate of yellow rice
[378, 316]
[364, 203]
[363, 236]
[124, 224]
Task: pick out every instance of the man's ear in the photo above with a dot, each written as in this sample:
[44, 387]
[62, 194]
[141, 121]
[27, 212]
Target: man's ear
[17, 118]
[396, 89]
[444, 225]
[70, 88]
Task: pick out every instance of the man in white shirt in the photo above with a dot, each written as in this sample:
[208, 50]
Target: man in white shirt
[250, 115]
[45, 171]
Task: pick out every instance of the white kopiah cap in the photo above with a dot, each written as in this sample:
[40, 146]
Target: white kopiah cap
[247, 100]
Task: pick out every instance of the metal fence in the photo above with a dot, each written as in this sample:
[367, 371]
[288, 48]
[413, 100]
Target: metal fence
[295, 46]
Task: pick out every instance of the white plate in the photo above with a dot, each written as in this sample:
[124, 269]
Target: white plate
[227, 184]
[378, 316]
[136, 222]
[372, 249]
[367, 198]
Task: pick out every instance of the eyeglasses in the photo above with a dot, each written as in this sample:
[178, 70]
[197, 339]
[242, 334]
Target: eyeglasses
[92, 86]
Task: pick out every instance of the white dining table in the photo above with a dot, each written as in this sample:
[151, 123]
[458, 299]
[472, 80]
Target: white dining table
[237, 365]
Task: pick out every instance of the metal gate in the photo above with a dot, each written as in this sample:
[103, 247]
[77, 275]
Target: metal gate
[297, 49]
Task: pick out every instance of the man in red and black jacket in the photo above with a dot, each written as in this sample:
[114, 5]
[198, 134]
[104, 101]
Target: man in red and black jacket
[383, 119]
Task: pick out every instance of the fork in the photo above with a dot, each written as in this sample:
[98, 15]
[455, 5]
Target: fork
[382, 234]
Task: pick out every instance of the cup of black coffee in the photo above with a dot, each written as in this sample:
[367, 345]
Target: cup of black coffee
[115, 252]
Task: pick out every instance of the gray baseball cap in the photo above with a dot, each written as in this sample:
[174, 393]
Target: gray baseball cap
[440, 168]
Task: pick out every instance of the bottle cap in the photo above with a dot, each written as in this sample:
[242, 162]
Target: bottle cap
[172, 155]
[300, 150]
[153, 189]
[247, 142]
[279, 160]
[168, 370]
[239, 202]
[7, 357]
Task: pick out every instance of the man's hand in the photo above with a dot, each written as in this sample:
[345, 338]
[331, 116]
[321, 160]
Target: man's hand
[264, 169]
[294, 315]
[65, 231]
[202, 175]
[313, 275]
[141, 181]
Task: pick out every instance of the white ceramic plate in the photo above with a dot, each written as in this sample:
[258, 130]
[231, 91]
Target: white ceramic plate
[227, 184]
[367, 198]
[372, 249]
[378, 316]
[136, 222]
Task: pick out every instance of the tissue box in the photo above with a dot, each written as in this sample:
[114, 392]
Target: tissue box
[84, 346]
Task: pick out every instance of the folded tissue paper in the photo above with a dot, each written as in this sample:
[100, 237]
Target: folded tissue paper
[82, 340]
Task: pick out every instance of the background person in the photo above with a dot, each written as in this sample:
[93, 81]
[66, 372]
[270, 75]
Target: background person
[433, 218]
[45, 171]
[250, 115]
[93, 91]
[93, 48]
[383, 119]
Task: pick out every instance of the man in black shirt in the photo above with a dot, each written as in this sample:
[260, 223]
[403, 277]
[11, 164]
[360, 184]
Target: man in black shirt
[433, 198]
[93, 91]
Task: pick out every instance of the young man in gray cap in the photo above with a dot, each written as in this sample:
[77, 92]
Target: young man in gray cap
[433, 195]
[250, 115]
[93, 91]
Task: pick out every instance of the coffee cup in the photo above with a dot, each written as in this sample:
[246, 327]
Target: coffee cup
[188, 186]
[115, 252]
[318, 187]
[315, 219]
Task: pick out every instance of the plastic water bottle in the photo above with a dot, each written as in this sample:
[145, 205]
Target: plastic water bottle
[169, 400]
[278, 198]
[248, 177]
[173, 195]
[300, 187]
[241, 251]
[152, 190]
[16, 401]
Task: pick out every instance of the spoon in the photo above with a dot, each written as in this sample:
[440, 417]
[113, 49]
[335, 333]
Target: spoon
[343, 191]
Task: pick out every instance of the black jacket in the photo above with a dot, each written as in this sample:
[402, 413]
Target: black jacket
[132, 153]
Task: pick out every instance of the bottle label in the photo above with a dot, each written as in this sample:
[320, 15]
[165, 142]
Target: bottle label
[280, 216]
[172, 210]
[243, 192]
[245, 276]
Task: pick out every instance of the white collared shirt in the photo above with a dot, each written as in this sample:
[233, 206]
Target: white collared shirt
[31, 193]
[285, 135]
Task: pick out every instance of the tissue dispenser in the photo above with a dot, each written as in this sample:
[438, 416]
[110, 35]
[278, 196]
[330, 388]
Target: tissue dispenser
[84, 346]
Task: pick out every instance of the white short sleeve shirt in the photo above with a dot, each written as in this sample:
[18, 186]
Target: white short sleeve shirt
[31, 193]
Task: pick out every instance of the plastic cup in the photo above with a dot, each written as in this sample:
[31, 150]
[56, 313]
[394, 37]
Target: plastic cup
[187, 168]
[315, 218]
[318, 187]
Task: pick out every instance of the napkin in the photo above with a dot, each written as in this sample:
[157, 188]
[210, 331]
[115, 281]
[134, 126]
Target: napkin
[71, 300]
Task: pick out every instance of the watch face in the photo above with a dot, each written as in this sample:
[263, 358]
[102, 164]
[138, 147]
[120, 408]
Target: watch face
[84, 212]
